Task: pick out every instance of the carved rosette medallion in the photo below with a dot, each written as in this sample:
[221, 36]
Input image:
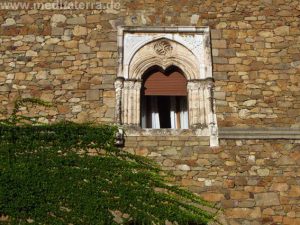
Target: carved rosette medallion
[163, 47]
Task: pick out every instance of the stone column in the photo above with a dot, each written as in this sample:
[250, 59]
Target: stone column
[137, 87]
[191, 90]
[197, 104]
[211, 114]
[202, 107]
[119, 84]
[131, 102]
[125, 95]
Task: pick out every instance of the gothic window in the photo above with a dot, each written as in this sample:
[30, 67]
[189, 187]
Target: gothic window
[164, 99]
[165, 80]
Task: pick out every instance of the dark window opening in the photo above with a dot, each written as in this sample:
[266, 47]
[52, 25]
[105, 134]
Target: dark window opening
[164, 112]
[164, 108]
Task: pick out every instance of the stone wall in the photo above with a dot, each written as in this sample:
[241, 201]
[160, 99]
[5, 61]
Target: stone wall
[255, 182]
[70, 56]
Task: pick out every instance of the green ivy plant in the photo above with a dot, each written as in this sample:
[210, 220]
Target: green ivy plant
[17, 118]
[70, 173]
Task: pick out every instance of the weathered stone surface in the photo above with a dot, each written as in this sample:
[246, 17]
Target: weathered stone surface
[83, 48]
[249, 103]
[247, 204]
[282, 31]
[76, 20]
[239, 195]
[108, 46]
[93, 18]
[285, 160]
[58, 72]
[214, 197]
[26, 19]
[170, 151]
[142, 151]
[9, 22]
[80, 31]
[266, 34]
[266, 199]
[244, 113]
[31, 53]
[296, 64]
[184, 167]
[71, 44]
[92, 95]
[263, 172]
[52, 41]
[20, 76]
[168, 163]
[195, 19]
[76, 108]
[219, 44]
[58, 18]
[57, 31]
[279, 187]
[291, 221]
[29, 38]
[243, 213]
[220, 75]
[294, 191]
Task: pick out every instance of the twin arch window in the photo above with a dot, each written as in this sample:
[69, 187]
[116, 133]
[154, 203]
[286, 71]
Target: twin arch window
[164, 99]
[165, 80]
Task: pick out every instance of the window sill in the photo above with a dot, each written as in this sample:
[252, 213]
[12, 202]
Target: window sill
[137, 131]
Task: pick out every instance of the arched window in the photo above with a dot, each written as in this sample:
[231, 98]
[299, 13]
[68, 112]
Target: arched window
[164, 99]
[165, 81]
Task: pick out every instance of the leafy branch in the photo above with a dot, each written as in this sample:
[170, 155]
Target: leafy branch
[15, 118]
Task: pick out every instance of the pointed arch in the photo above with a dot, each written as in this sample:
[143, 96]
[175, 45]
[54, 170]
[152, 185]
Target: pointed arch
[178, 55]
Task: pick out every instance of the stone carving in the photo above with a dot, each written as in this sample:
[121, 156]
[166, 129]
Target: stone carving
[163, 47]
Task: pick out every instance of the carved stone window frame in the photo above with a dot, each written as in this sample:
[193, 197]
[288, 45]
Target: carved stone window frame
[187, 48]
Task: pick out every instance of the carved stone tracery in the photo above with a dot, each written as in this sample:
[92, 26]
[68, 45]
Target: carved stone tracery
[163, 47]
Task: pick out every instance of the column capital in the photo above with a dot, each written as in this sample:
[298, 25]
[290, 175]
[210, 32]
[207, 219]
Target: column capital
[128, 84]
[201, 83]
[119, 83]
[132, 84]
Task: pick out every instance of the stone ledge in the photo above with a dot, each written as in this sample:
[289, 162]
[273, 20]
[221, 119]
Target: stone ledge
[166, 132]
[259, 133]
[164, 29]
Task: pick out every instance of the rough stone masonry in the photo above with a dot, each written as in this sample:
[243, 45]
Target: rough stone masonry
[69, 57]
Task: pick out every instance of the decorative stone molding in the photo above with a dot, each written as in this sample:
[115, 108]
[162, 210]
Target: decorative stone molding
[187, 48]
[259, 133]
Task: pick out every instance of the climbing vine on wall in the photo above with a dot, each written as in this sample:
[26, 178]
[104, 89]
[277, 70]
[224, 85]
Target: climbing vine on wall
[71, 173]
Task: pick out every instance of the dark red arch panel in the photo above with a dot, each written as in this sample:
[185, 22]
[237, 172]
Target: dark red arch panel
[162, 84]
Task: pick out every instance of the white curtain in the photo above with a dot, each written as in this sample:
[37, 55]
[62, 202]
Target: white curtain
[144, 113]
[173, 113]
[184, 117]
[154, 113]
[181, 103]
